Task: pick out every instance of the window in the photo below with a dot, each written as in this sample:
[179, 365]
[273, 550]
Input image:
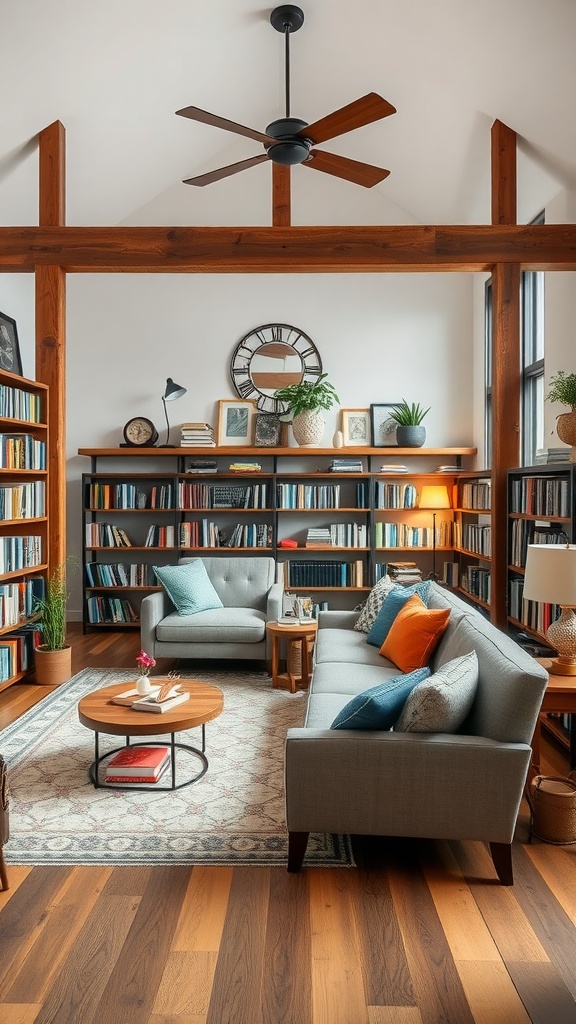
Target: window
[532, 360]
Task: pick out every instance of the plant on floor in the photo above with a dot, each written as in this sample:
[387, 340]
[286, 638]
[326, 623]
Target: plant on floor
[52, 609]
[563, 389]
[406, 415]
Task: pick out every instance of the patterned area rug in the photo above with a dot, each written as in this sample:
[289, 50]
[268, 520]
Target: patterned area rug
[234, 815]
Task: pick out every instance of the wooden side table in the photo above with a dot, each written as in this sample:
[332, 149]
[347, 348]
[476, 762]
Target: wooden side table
[559, 696]
[299, 633]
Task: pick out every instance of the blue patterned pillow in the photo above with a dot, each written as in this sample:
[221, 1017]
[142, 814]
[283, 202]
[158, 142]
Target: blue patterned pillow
[393, 602]
[188, 586]
[381, 705]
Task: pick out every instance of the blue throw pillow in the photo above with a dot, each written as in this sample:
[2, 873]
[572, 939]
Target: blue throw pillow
[394, 601]
[188, 586]
[380, 706]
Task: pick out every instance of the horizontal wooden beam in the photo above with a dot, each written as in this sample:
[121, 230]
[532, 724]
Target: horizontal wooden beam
[275, 250]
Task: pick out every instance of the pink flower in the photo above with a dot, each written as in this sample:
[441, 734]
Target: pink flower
[145, 663]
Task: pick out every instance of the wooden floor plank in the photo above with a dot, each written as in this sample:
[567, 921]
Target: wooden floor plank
[186, 984]
[543, 992]
[203, 912]
[491, 993]
[236, 997]
[16, 875]
[338, 995]
[557, 866]
[287, 979]
[23, 919]
[19, 1013]
[384, 965]
[394, 1015]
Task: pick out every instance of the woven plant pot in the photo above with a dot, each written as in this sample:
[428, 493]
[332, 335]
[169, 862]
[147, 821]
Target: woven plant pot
[308, 428]
[553, 808]
[52, 667]
[566, 428]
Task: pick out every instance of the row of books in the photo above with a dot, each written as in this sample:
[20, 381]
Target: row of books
[477, 494]
[160, 537]
[120, 574]
[110, 609]
[197, 435]
[341, 535]
[475, 580]
[23, 500]
[305, 573]
[16, 404]
[540, 496]
[346, 465]
[473, 537]
[534, 614]
[106, 535]
[128, 496]
[18, 600]
[192, 496]
[396, 495]
[523, 532]
[312, 496]
[22, 451]
[405, 535]
[250, 535]
[17, 650]
[20, 553]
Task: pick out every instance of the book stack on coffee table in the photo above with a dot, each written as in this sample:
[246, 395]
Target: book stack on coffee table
[138, 765]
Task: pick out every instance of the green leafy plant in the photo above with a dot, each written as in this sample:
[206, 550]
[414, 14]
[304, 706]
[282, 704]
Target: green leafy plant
[563, 389]
[319, 394]
[406, 415]
[52, 608]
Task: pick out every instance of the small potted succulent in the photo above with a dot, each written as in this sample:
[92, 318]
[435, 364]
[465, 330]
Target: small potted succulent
[563, 390]
[409, 431]
[305, 400]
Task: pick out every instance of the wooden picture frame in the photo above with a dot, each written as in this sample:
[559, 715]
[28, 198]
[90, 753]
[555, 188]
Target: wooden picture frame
[268, 430]
[10, 358]
[383, 428]
[356, 429]
[235, 422]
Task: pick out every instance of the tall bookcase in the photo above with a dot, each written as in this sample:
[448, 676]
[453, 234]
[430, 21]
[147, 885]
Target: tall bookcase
[23, 520]
[470, 573]
[332, 532]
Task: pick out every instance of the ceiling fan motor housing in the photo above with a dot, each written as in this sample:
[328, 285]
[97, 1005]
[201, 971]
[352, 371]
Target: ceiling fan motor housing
[291, 147]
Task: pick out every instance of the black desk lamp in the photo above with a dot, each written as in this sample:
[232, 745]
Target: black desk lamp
[172, 392]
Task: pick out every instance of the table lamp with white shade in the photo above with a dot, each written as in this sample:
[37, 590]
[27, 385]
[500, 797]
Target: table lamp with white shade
[550, 577]
[434, 496]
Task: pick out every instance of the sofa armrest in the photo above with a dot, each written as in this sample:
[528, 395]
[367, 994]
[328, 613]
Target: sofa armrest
[337, 619]
[274, 602]
[153, 609]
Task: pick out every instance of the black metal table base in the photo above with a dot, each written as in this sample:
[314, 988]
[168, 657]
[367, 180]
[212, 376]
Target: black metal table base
[93, 771]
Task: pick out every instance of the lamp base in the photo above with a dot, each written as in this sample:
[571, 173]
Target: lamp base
[562, 666]
[562, 636]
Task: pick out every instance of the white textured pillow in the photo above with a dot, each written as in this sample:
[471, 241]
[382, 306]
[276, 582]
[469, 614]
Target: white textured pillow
[374, 602]
[441, 702]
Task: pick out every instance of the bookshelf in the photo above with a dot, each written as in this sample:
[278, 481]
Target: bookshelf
[470, 572]
[321, 526]
[23, 520]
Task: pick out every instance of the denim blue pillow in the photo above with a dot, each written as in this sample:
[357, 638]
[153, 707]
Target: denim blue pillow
[188, 586]
[381, 705]
[394, 601]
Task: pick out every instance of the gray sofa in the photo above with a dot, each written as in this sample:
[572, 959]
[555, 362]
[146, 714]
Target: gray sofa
[443, 786]
[250, 596]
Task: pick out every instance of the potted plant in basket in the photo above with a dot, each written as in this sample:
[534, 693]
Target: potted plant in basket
[305, 400]
[563, 390]
[53, 657]
[409, 433]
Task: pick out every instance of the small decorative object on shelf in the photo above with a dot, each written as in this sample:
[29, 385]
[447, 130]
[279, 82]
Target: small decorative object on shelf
[305, 400]
[145, 662]
[409, 431]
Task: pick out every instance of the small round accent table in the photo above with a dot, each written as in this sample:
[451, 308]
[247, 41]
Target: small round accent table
[299, 633]
[96, 712]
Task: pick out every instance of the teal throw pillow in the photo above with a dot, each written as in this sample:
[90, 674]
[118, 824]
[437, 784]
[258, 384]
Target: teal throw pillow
[381, 705]
[392, 604]
[188, 586]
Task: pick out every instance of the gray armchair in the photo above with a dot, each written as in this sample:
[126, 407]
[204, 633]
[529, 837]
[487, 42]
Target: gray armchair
[250, 596]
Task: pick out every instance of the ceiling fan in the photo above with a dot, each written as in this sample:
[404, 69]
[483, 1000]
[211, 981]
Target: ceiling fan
[289, 140]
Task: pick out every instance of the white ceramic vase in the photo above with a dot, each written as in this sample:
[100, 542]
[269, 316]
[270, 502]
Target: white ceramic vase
[143, 685]
[308, 428]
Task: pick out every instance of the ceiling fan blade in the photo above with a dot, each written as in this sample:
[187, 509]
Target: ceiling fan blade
[342, 167]
[196, 114]
[225, 172]
[367, 109]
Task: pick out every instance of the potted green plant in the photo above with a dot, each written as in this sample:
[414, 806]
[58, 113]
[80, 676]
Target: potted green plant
[409, 432]
[563, 390]
[53, 657]
[305, 400]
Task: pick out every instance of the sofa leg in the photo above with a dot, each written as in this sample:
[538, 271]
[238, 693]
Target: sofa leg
[502, 857]
[297, 843]
[3, 873]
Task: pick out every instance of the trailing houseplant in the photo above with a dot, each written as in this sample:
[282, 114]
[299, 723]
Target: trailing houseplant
[563, 390]
[53, 657]
[409, 433]
[305, 400]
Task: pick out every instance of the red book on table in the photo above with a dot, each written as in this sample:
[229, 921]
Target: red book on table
[138, 761]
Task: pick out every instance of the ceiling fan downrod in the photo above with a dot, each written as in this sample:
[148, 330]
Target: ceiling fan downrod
[288, 151]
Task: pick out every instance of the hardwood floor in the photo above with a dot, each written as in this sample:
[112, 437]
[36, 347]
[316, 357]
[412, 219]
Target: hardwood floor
[420, 933]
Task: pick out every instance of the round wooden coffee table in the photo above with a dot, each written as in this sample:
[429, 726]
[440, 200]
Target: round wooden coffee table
[299, 633]
[97, 713]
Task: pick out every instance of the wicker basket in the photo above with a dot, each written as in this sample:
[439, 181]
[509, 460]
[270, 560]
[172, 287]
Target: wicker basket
[552, 802]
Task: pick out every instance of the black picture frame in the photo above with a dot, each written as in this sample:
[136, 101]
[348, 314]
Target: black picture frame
[383, 437]
[268, 430]
[10, 358]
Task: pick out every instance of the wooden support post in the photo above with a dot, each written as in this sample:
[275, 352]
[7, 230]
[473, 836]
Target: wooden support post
[51, 334]
[281, 213]
[504, 176]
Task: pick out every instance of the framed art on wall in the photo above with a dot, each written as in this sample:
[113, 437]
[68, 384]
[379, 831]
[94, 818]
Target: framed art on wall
[235, 422]
[268, 430]
[356, 426]
[9, 348]
[383, 427]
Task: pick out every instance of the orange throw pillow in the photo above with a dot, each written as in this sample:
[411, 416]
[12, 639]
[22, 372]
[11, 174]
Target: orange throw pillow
[414, 634]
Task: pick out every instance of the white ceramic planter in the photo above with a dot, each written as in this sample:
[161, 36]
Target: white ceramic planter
[308, 428]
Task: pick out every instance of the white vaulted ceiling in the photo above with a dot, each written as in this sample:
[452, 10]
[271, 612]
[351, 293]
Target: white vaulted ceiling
[115, 71]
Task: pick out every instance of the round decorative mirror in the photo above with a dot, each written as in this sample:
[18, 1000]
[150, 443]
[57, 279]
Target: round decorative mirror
[271, 357]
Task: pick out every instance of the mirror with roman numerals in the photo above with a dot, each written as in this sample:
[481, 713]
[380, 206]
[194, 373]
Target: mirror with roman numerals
[271, 357]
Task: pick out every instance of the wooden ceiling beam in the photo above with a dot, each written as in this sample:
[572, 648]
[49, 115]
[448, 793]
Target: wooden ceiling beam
[504, 176]
[258, 250]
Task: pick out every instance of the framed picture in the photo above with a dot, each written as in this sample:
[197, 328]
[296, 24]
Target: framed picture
[235, 422]
[356, 426]
[268, 430]
[9, 347]
[383, 428]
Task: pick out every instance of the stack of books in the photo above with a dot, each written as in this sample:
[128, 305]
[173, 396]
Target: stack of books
[404, 572]
[386, 468]
[197, 435]
[155, 701]
[547, 456]
[319, 536]
[202, 466]
[138, 765]
[245, 467]
[448, 469]
[345, 466]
